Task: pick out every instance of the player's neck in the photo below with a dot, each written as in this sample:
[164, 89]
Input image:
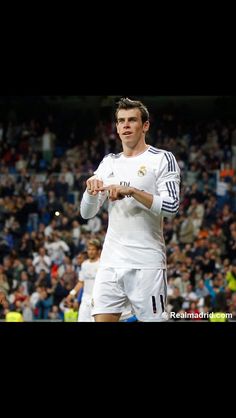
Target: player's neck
[93, 260]
[140, 148]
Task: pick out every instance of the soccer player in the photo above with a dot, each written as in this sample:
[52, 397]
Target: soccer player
[87, 275]
[142, 184]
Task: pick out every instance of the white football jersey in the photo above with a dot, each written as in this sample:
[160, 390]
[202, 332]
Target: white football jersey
[134, 237]
[87, 274]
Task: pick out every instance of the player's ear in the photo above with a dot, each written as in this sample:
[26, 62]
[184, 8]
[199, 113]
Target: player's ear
[146, 126]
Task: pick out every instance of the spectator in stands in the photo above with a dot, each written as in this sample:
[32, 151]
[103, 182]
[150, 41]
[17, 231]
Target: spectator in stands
[231, 277]
[42, 261]
[44, 304]
[48, 144]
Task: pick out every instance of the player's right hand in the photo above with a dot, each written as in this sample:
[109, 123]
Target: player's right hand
[93, 184]
[69, 298]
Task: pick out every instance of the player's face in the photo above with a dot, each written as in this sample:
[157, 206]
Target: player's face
[130, 127]
[93, 252]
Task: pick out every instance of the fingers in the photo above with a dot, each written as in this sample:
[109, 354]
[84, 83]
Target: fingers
[93, 184]
[111, 191]
[102, 188]
[114, 192]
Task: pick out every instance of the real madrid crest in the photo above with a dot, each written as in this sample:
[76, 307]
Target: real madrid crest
[142, 171]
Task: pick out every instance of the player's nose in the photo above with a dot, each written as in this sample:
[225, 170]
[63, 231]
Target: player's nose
[126, 124]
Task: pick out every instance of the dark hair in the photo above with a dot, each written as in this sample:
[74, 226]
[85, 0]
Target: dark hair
[126, 103]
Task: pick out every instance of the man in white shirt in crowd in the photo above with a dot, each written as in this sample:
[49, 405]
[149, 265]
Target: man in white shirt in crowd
[42, 261]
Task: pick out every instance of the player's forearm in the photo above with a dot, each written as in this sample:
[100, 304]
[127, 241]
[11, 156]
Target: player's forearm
[168, 207]
[142, 197]
[89, 206]
[76, 289]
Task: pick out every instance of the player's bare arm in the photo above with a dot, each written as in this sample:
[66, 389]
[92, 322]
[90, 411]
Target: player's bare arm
[116, 192]
[74, 291]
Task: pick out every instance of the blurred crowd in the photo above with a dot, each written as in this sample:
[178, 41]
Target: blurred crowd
[43, 238]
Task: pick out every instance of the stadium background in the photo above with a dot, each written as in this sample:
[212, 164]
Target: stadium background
[49, 145]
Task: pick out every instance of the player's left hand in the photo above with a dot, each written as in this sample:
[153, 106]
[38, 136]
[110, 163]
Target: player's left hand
[116, 192]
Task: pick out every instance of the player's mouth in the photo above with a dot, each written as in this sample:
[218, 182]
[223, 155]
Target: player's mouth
[127, 133]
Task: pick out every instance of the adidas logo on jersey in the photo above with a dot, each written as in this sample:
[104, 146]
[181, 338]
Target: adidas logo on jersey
[111, 175]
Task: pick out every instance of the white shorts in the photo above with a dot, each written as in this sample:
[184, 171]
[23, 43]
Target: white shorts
[146, 290]
[85, 314]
